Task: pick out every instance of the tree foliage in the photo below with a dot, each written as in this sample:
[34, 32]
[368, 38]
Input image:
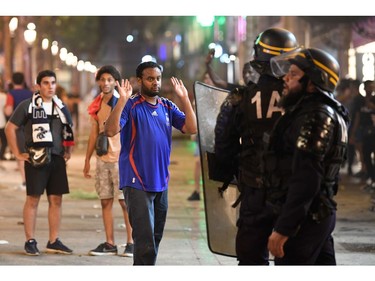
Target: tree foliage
[79, 34]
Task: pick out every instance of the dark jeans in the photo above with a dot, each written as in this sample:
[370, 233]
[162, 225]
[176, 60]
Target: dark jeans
[147, 215]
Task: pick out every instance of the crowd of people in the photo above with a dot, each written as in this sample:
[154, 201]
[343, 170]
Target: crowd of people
[359, 99]
[119, 127]
[291, 125]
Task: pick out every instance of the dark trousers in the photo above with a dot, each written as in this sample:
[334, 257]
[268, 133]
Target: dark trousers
[251, 243]
[255, 225]
[3, 143]
[351, 157]
[313, 244]
[368, 146]
[147, 215]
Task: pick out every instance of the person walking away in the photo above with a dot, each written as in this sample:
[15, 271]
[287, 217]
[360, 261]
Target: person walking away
[244, 116]
[107, 173]
[19, 93]
[48, 127]
[367, 121]
[356, 128]
[345, 96]
[195, 196]
[5, 112]
[145, 123]
[306, 150]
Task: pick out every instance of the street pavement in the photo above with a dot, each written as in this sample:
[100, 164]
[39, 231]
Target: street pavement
[185, 238]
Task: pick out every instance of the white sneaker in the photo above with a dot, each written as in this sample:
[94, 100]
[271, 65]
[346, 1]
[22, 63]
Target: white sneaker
[21, 186]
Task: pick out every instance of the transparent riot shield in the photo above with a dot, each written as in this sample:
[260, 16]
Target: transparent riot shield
[221, 217]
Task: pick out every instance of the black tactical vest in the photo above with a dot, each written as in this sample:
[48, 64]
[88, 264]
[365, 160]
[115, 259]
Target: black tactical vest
[323, 135]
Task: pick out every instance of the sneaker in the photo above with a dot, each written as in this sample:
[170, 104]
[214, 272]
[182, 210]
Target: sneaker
[369, 187]
[104, 249]
[58, 248]
[194, 196]
[31, 248]
[129, 249]
[21, 186]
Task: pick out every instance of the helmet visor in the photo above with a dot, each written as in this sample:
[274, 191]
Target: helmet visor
[280, 64]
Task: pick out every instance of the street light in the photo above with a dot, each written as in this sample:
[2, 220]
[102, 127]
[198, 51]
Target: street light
[46, 55]
[45, 44]
[30, 36]
[54, 51]
[13, 25]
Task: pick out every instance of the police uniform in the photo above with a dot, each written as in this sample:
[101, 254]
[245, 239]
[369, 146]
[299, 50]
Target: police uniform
[244, 117]
[304, 157]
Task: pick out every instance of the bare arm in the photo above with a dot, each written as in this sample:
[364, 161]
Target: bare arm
[10, 132]
[112, 125]
[218, 82]
[8, 110]
[90, 148]
[190, 126]
[68, 152]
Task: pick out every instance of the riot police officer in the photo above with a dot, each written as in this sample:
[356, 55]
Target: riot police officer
[302, 163]
[244, 116]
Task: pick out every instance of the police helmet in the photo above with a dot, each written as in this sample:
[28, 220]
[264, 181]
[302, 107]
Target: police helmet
[270, 43]
[321, 67]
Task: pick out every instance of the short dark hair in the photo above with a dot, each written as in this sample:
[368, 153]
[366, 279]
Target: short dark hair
[110, 69]
[45, 73]
[148, 64]
[356, 83]
[18, 78]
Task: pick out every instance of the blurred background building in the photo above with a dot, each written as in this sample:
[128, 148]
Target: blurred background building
[75, 46]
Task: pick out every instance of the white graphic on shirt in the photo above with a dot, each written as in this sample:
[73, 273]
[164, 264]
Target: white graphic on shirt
[167, 119]
[154, 113]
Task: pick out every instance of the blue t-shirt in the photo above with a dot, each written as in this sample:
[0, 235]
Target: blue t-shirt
[20, 95]
[146, 139]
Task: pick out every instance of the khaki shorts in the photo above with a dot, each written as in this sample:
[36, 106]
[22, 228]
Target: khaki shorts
[107, 180]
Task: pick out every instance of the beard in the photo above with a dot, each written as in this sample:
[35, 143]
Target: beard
[150, 93]
[290, 99]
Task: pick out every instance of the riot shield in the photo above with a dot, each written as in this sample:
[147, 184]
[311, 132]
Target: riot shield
[221, 217]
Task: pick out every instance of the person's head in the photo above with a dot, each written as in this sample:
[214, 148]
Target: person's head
[18, 78]
[308, 70]
[369, 87]
[249, 74]
[134, 83]
[270, 43]
[61, 93]
[46, 83]
[343, 89]
[354, 86]
[149, 75]
[106, 78]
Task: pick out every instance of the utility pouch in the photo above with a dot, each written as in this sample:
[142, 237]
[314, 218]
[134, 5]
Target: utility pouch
[101, 145]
